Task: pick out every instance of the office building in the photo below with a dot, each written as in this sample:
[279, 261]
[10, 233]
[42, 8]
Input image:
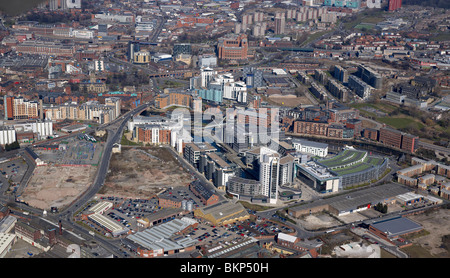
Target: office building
[207, 61]
[181, 48]
[253, 77]
[394, 5]
[132, 48]
[233, 47]
[141, 57]
[193, 152]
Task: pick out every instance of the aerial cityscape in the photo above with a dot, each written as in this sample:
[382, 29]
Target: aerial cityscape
[224, 129]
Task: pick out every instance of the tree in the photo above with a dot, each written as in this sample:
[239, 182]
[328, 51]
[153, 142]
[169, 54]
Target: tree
[381, 208]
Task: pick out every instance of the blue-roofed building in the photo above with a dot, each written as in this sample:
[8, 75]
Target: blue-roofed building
[392, 229]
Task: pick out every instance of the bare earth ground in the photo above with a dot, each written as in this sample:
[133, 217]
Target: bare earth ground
[57, 186]
[133, 174]
[289, 100]
[437, 223]
[317, 221]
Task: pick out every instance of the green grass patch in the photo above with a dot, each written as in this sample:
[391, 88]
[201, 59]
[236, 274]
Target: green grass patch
[417, 251]
[314, 37]
[253, 206]
[383, 107]
[344, 158]
[353, 169]
[364, 26]
[400, 122]
[124, 141]
[441, 36]
[374, 17]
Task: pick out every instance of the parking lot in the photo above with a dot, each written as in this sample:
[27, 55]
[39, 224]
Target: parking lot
[73, 151]
[12, 173]
[126, 211]
[210, 234]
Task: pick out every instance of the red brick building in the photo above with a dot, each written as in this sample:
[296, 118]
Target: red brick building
[397, 139]
[394, 5]
[391, 137]
[311, 128]
[206, 196]
[154, 134]
[409, 142]
[233, 47]
[371, 134]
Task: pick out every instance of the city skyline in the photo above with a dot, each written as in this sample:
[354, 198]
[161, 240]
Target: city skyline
[182, 130]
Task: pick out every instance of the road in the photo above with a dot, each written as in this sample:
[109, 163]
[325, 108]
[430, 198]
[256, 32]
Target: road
[434, 147]
[114, 129]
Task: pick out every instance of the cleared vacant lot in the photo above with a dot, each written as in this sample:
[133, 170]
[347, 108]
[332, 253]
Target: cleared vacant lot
[57, 186]
[142, 172]
[429, 243]
[289, 100]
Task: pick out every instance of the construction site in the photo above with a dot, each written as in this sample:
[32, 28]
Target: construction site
[57, 186]
[68, 170]
[80, 150]
[141, 172]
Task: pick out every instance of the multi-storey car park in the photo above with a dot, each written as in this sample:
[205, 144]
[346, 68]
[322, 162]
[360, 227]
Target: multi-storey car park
[350, 167]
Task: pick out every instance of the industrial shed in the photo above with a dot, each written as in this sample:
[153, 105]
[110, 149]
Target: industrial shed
[161, 239]
[353, 201]
[391, 229]
[223, 213]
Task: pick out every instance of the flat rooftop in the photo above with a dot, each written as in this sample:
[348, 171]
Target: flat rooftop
[397, 226]
[354, 199]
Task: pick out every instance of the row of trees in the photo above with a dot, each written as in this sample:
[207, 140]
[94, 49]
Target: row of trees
[119, 80]
[12, 146]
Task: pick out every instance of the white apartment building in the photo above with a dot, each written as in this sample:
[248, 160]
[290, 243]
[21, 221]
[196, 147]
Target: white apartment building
[235, 91]
[207, 75]
[269, 169]
[310, 147]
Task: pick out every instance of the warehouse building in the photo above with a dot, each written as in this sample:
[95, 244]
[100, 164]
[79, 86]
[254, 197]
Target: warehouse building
[392, 229]
[352, 202]
[206, 196]
[7, 224]
[111, 226]
[223, 213]
[95, 214]
[164, 239]
[6, 242]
